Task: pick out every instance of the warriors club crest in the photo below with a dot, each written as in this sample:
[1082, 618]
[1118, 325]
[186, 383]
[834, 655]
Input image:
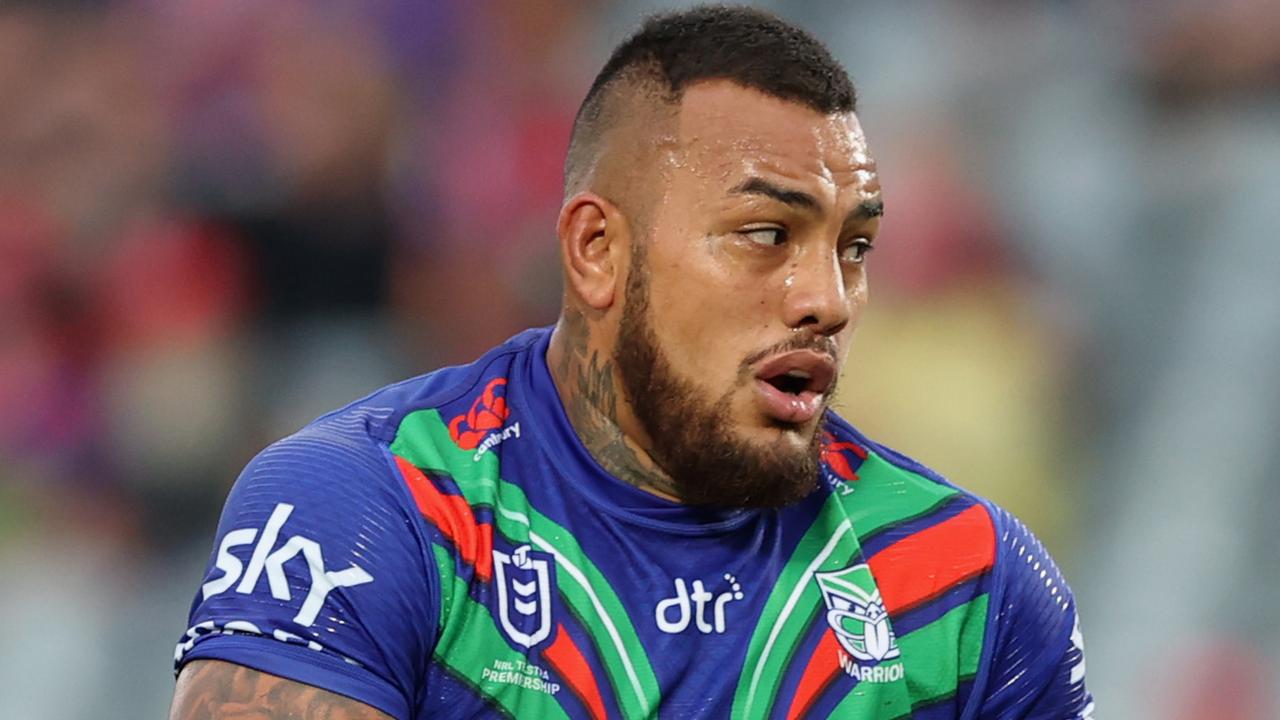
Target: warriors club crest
[524, 580]
[858, 617]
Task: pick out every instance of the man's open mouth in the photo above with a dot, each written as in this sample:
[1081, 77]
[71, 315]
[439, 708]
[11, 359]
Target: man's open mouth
[792, 382]
[793, 386]
[799, 371]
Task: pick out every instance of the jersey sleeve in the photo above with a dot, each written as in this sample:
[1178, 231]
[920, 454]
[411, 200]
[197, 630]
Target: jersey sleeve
[319, 573]
[1037, 665]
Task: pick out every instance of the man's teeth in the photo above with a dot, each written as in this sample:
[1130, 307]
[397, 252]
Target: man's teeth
[799, 374]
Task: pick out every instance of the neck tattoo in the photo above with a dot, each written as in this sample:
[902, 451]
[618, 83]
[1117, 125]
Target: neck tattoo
[591, 401]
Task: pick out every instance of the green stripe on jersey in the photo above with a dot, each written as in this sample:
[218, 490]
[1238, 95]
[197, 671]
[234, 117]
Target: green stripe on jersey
[828, 544]
[423, 439]
[472, 648]
[886, 494]
[933, 667]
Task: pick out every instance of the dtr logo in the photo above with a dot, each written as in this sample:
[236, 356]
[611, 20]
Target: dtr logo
[524, 594]
[265, 558]
[487, 414]
[858, 617]
[686, 605]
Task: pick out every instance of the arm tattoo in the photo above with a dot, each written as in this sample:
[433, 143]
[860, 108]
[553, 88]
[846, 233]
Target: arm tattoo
[592, 406]
[217, 690]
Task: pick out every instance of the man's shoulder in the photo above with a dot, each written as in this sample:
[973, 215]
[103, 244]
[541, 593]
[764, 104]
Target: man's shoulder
[335, 492]
[902, 494]
[957, 569]
[925, 537]
[378, 416]
[355, 449]
[871, 467]
[908, 515]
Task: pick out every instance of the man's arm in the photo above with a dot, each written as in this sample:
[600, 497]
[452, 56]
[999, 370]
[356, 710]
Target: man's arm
[209, 689]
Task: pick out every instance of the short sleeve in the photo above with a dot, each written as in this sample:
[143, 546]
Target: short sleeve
[1037, 661]
[319, 574]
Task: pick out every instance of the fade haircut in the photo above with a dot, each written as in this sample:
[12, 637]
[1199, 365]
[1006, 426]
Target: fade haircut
[671, 51]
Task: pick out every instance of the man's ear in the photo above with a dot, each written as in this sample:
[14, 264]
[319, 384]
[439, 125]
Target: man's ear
[593, 233]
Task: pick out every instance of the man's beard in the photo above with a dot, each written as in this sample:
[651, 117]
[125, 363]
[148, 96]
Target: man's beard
[692, 436]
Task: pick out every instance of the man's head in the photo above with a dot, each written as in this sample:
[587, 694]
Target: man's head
[719, 201]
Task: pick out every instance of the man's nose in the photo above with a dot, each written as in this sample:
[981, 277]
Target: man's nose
[816, 297]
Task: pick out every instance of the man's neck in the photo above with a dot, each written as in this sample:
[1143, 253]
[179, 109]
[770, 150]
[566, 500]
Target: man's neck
[586, 379]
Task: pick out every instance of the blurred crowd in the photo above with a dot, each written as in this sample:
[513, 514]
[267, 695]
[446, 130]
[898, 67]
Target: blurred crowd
[221, 219]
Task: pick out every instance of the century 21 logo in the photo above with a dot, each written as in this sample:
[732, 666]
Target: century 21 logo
[693, 604]
[265, 558]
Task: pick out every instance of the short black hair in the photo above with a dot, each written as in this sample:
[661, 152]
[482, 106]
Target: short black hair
[748, 46]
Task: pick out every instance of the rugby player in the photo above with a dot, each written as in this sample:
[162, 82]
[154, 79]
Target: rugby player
[647, 510]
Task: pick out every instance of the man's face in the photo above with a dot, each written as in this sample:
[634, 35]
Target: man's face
[745, 291]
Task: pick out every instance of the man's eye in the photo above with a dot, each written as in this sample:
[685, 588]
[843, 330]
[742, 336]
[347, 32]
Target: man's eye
[856, 251]
[769, 236]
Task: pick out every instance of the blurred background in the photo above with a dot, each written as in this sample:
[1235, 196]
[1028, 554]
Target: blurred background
[220, 219]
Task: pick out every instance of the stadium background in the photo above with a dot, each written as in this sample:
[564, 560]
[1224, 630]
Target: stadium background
[219, 219]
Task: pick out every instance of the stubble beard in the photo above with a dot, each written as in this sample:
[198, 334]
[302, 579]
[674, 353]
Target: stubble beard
[692, 436]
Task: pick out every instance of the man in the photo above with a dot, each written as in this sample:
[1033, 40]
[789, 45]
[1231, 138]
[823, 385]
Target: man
[647, 511]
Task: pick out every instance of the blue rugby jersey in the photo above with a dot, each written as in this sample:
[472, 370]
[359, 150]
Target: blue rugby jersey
[447, 548]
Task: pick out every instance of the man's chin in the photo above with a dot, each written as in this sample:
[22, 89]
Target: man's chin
[772, 466]
[773, 431]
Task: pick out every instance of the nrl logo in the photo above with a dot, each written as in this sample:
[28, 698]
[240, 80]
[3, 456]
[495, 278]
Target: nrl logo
[858, 617]
[524, 594]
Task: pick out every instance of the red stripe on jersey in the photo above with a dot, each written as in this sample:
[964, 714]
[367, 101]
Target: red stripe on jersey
[564, 656]
[453, 516]
[823, 667]
[926, 564]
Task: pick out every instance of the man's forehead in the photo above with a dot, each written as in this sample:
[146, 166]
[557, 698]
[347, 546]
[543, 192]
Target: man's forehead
[725, 129]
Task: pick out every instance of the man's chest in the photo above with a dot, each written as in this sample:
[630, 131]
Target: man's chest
[579, 616]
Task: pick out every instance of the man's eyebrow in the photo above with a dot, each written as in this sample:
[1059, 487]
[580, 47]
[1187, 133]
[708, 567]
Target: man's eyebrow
[803, 200]
[866, 210]
[760, 186]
